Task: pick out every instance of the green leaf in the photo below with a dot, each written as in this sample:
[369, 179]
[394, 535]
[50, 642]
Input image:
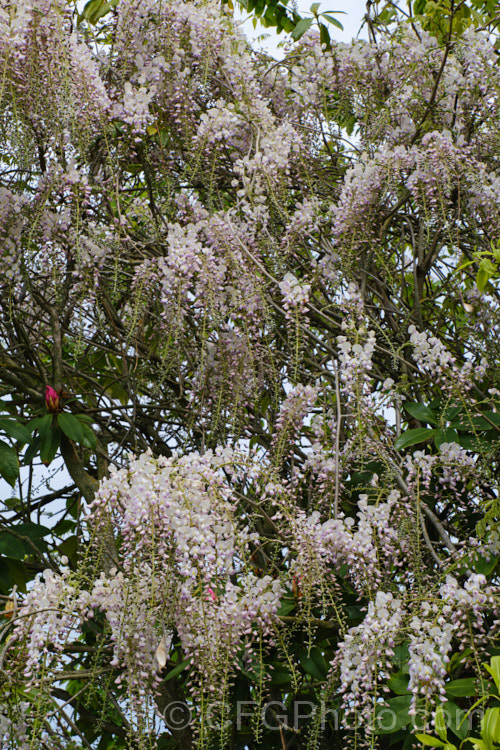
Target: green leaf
[398, 683]
[482, 278]
[452, 413]
[355, 612]
[493, 416]
[164, 742]
[456, 719]
[480, 423]
[440, 724]
[487, 265]
[96, 9]
[313, 663]
[9, 465]
[18, 573]
[446, 436]
[413, 437]
[463, 688]
[85, 418]
[31, 546]
[71, 427]
[409, 741]
[49, 445]
[393, 716]
[73, 507]
[471, 443]
[69, 547]
[485, 566]
[63, 527]
[301, 28]
[286, 24]
[319, 660]
[494, 669]
[15, 430]
[401, 657]
[427, 739]
[10, 546]
[38, 422]
[309, 666]
[177, 670]
[419, 6]
[314, 8]
[386, 16]
[32, 451]
[89, 439]
[332, 20]
[401, 705]
[420, 412]
[324, 36]
[45, 426]
[5, 579]
[287, 604]
[479, 744]
[32, 530]
[490, 724]
[280, 677]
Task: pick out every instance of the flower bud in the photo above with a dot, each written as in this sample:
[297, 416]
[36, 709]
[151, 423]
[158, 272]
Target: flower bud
[51, 399]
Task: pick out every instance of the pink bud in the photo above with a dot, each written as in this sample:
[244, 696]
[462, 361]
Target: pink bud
[51, 399]
[212, 593]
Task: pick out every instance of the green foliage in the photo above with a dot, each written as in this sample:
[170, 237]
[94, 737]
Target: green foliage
[285, 17]
[9, 465]
[421, 412]
[450, 717]
[443, 19]
[414, 437]
[94, 10]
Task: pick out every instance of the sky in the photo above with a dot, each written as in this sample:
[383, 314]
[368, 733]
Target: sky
[354, 11]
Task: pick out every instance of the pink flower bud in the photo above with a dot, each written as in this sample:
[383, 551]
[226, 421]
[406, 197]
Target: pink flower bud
[212, 594]
[51, 399]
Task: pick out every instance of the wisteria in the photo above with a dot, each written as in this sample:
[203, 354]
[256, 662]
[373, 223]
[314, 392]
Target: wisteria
[366, 653]
[182, 546]
[249, 379]
[432, 632]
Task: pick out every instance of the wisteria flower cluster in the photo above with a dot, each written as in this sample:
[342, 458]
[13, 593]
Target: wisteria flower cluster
[257, 291]
[185, 558]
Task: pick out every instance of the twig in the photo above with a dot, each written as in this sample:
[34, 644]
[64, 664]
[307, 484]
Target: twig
[337, 443]
[428, 542]
[291, 620]
[432, 99]
[428, 512]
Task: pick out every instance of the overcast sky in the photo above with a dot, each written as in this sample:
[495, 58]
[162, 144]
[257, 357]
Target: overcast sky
[354, 11]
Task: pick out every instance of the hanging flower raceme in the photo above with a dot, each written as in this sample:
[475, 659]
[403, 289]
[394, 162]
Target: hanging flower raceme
[50, 615]
[369, 546]
[366, 652]
[248, 253]
[185, 553]
[184, 568]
